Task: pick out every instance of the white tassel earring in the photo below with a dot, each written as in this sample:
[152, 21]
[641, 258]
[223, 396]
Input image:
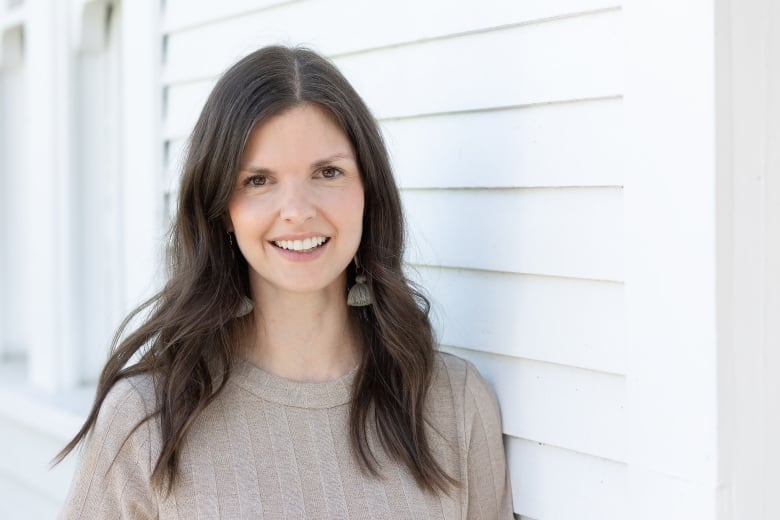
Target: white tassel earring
[246, 307]
[359, 294]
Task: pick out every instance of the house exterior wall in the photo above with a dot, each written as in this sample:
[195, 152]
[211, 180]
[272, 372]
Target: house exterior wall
[748, 213]
[571, 201]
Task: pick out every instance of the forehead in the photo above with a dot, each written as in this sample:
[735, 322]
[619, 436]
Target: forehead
[300, 134]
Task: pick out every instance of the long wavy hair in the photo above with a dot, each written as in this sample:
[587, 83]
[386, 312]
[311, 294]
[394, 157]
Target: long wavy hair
[189, 341]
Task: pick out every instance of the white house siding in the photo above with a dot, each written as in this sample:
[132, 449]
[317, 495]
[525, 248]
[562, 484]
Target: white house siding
[514, 128]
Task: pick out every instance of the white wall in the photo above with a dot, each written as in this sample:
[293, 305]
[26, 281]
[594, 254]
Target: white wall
[85, 185]
[748, 213]
[670, 260]
[97, 175]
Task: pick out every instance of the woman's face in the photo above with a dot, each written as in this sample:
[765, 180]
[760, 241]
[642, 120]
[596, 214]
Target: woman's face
[297, 207]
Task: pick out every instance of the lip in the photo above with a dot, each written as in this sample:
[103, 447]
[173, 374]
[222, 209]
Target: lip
[300, 236]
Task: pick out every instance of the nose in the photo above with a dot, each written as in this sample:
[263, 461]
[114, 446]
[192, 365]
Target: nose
[297, 204]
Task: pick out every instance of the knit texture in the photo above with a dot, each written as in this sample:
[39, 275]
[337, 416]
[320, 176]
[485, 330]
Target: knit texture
[270, 448]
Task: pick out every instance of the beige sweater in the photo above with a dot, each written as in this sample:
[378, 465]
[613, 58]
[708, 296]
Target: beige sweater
[270, 448]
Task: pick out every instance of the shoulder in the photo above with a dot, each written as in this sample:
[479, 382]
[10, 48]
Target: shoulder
[458, 383]
[124, 419]
[113, 474]
[462, 378]
[137, 390]
[459, 391]
[130, 399]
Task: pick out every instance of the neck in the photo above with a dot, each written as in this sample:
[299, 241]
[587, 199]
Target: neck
[303, 337]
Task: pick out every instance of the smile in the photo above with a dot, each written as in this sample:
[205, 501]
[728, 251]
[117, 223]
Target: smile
[301, 246]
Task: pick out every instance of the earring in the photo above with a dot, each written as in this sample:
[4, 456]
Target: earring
[359, 294]
[245, 308]
[230, 241]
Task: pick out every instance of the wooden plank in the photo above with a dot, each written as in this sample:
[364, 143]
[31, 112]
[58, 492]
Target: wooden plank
[181, 14]
[567, 59]
[559, 320]
[572, 232]
[569, 144]
[571, 408]
[204, 37]
[550, 483]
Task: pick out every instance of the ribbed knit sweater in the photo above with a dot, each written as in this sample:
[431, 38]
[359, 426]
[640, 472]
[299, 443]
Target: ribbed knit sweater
[271, 448]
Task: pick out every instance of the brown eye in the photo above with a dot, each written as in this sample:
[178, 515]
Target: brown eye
[330, 173]
[257, 180]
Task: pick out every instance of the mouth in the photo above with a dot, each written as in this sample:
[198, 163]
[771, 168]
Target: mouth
[301, 246]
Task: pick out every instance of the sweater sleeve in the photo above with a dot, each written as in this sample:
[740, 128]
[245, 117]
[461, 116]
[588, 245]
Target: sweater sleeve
[112, 479]
[489, 490]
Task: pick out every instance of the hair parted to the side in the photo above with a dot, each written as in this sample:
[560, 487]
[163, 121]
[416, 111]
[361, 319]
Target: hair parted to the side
[190, 339]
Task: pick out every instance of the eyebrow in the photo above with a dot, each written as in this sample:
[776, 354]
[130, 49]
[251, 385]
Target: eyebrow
[334, 157]
[316, 164]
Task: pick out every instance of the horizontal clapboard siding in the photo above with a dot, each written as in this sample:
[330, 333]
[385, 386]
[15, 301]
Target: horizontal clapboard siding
[203, 37]
[560, 60]
[562, 144]
[574, 232]
[186, 14]
[576, 409]
[504, 121]
[523, 316]
[553, 483]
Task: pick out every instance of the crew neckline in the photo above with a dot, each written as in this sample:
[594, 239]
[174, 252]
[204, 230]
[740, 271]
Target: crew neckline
[288, 392]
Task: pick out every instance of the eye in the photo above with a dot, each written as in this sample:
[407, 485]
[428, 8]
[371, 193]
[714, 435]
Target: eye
[330, 172]
[256, 180]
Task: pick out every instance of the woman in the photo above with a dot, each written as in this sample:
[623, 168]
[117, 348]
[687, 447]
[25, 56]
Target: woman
[287, 369]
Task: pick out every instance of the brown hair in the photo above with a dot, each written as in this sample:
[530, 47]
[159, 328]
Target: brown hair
[189, 340]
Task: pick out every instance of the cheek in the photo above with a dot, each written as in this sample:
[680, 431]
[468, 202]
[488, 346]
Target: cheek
[343, 204]
[244, 212]
[354, 207]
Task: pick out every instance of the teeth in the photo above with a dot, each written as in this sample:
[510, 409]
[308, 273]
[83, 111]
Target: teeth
[301, 245]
